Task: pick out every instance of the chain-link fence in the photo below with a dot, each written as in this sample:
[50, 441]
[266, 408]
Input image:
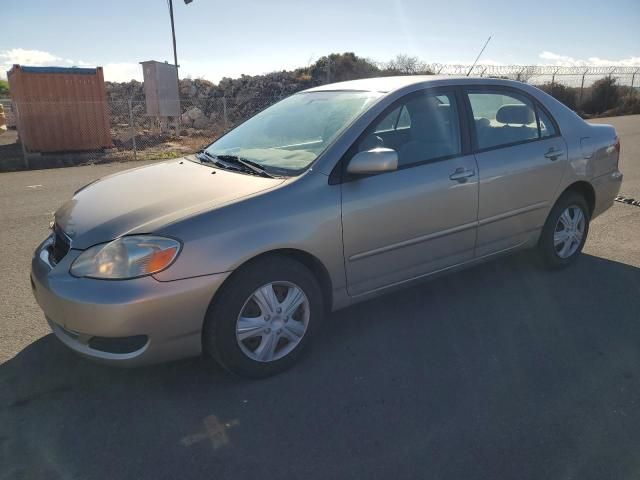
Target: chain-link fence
[8, 112]
[142, 137]
[131, 134]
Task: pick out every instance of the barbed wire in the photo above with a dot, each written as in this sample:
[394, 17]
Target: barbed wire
[510, 70]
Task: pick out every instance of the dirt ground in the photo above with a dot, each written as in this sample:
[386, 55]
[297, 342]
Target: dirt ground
[149, 146]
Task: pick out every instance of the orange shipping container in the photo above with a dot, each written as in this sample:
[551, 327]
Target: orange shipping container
[60, 109]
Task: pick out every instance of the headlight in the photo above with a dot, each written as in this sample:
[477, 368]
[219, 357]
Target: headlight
[126, 257]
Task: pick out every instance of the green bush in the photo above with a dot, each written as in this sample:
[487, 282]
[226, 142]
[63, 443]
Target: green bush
[4, 87]
[562, 93]
[342, 67]
[605, 95]
[629, 103]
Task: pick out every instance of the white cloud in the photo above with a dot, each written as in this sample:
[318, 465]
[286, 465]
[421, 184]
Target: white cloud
[115, 72]
[25, 57]
[122, 72]
[488, 61]
[565, 60]
[30, 57]
[125, 71]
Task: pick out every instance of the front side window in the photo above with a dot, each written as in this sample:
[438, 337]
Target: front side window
[423, 127]
[502, 118]
[288, 136]
[398, 119]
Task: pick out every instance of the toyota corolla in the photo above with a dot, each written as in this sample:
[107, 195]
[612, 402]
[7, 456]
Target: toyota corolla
[329, 197]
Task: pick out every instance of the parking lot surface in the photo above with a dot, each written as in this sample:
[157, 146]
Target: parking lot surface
[503, 371]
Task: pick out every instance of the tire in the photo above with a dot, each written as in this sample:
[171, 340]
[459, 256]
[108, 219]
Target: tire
[270, 332]
[559, 255]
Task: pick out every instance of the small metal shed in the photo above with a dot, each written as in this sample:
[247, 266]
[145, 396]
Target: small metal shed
[60, 109]
[161, 88]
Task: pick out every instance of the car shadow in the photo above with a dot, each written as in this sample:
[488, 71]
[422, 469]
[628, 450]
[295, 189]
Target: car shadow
[501, 371]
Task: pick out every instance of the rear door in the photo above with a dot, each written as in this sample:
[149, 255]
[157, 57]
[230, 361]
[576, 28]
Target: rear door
[521, 157]
[421, 218]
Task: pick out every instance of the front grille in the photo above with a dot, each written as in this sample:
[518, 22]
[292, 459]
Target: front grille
[61, 244]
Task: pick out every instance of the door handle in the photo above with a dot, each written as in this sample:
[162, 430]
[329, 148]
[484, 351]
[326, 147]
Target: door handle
[461, 174]
[553, 154]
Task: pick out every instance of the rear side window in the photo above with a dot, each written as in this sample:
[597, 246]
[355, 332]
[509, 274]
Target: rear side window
[502, 118]
[546, 125]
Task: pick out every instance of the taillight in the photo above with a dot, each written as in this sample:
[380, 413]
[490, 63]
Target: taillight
[617, 144]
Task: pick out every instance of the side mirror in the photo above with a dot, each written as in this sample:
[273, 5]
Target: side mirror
[376, 160]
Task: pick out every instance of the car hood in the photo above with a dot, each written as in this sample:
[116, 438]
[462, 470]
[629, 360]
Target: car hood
[144, 199]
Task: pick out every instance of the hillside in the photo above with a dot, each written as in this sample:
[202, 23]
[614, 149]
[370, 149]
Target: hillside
[336, 67]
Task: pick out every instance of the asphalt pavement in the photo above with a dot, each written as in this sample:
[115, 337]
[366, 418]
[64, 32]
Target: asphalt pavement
[502, 371]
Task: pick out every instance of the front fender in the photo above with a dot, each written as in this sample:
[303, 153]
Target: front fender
[302, 214]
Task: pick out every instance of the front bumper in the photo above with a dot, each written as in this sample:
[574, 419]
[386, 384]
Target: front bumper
[122, 322]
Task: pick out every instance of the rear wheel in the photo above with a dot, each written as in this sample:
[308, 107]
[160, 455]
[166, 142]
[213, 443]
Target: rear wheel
[565, 231]
[264, 317]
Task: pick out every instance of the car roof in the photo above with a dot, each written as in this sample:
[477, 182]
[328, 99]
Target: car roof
[390, 84]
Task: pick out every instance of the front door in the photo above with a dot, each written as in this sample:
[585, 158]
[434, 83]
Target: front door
[401, 225]
[521, 157]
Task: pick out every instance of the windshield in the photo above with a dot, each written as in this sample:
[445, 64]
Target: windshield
[288, 136]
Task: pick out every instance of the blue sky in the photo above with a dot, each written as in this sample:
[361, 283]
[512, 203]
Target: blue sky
[217, 38]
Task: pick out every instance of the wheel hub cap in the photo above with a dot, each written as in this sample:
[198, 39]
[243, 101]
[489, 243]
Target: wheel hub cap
[569, 231]
[272, 321]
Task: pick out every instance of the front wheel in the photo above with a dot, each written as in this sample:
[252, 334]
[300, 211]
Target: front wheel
[565, 231]
[264, 318]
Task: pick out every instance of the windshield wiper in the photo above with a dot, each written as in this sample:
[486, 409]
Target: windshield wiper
[248, 164]
[233, 162]
[205, 157]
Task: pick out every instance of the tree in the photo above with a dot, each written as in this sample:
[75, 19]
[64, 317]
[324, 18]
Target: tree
[629, 102]
[4, 87]
[525, 74]
[406, 65]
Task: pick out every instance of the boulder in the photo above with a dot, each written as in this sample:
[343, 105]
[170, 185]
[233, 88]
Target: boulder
[201, 122]
[187, 88]
[194, 113]
[185, 119]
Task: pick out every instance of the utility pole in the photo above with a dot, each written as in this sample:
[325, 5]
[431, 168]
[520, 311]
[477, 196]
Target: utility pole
[175, 53]
[173, 35]
[173, 32]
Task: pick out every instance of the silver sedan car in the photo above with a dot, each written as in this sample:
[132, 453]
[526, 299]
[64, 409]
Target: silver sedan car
[329, 197]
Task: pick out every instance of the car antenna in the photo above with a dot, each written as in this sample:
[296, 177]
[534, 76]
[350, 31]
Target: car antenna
[478, 57]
